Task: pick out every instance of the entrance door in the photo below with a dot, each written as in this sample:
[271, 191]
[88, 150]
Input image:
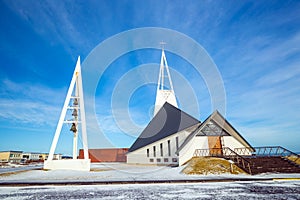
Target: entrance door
[214, 145]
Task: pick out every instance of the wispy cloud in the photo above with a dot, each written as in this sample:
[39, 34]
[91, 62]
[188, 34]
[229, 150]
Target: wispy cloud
[24, 103]
[268, 111]
[55, 20]
[282, 75]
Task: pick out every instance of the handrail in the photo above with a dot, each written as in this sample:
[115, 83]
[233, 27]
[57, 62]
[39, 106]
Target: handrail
[269, 151]
[225, 152]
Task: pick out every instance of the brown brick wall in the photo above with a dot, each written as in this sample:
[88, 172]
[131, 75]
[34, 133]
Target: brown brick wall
[106, 155]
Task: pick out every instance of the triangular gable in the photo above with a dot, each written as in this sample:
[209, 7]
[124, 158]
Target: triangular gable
[211, 128]
[220, 126]
[166, 122]
[221, 121]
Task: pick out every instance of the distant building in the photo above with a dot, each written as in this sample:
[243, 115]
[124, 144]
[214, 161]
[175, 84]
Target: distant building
[43, 156]
[11, 156]
[20, 157]
[66, 157]
[57, 156]
[31, 157]
[106, 155]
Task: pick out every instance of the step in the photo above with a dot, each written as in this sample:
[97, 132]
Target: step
[272, 164]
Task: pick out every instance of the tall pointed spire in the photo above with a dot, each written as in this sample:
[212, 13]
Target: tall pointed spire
[165, 91]
[74, 102]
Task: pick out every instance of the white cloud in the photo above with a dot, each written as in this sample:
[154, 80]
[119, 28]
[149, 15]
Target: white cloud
[23, 103]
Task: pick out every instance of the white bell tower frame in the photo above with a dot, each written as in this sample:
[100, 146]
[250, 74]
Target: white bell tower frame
[164, 94]
[74, 102]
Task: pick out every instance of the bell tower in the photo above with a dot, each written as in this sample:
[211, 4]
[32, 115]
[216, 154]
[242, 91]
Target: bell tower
[165, 91]
[74, 103]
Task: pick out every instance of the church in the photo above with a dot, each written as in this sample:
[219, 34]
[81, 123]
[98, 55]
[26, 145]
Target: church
[173, 136]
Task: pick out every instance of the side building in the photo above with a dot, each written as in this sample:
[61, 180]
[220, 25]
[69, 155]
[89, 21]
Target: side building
[173, 136]
[18, 157]
[10, 156]
[31, 157]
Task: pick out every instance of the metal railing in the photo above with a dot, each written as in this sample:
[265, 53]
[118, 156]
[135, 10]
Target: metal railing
[225, 153]
[269, 151]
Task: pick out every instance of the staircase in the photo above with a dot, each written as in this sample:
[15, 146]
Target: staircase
[265, 159]
[272, 164]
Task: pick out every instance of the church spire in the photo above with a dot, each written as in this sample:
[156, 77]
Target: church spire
[165, 91]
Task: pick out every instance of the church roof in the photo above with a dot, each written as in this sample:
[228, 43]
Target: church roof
[216, 125]
[168, 121]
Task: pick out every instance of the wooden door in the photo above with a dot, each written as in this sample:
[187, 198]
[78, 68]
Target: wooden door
[214, 144]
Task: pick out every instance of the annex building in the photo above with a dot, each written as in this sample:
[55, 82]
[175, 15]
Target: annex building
[173, 136]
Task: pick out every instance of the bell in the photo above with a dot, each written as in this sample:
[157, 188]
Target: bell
[75, 114]
[73, 128]
[75, 102]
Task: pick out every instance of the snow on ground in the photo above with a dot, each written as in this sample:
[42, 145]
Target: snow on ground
[122, 172]
[108, 172]
[15, 167]
[218, 190]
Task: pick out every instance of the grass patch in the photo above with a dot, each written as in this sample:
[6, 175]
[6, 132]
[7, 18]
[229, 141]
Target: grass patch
[12, 173]
[210, 165]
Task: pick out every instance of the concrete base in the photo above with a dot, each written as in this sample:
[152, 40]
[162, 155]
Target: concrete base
[74, 164]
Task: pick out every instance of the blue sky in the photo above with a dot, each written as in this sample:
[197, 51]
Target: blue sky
[254, 44]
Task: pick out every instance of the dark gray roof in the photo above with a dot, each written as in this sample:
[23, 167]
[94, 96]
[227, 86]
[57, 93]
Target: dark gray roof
[166, 122]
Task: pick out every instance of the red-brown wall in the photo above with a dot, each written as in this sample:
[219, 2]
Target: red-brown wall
[106, 155]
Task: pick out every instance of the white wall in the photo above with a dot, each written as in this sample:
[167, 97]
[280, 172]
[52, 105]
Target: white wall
[198, 142]
[232, 143]
[140, 155]
[72, 164]
[186, 153]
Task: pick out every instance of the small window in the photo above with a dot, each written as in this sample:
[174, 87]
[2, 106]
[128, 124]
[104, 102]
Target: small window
[169, 147]
[158, 160]
[148, 153]
[174, 159]
[154, 151]
[166, 160]
[151, 160]
[161, 150]
[177, 143]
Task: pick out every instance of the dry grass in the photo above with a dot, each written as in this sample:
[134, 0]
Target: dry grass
[12, 173]
[210, 165]
[92, 170]
[99, 170]
[293, 158]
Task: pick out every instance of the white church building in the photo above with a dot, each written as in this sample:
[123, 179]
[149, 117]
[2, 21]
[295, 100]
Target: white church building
[173, 136]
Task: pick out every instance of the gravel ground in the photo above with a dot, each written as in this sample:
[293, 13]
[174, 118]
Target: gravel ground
[218, 190]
